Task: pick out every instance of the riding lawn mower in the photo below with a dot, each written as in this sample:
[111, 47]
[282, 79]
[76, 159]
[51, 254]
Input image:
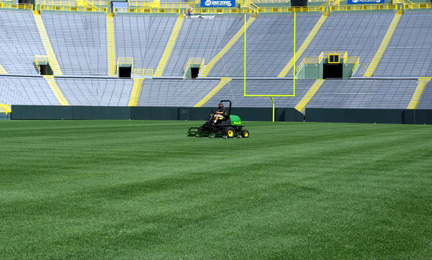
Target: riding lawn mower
[228, 126]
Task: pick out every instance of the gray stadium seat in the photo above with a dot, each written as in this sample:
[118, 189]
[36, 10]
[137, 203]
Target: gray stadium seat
[79, 42]
[26, 91]
[19, 42]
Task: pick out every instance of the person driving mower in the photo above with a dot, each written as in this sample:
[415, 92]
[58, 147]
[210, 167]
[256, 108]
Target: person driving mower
[220, 113]
[230, 126]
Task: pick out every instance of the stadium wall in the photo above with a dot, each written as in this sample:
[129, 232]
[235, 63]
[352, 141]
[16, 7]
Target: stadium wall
[24, 112]
[385, 116]
[389, 116]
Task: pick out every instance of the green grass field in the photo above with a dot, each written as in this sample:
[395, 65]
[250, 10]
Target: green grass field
[143, 190]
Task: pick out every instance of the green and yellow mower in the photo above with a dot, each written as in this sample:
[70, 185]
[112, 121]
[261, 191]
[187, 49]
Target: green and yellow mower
[228, 126]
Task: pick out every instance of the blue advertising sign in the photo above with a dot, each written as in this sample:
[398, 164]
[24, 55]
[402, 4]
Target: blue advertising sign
[366, 1]
[217, 3]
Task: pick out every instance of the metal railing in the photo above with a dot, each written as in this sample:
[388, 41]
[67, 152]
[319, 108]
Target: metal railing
[73, 8]
[329, 3]
[353, 60]
[57, 3]
[41, 59]
[417, 5]
[369, 7]
[133, 9]
[12, 5]
[194, 61]
[254, 8]
[143, 73]
[73, 3]
[246, 6]
[5, 108]
[217, 10]
[124, 60]
[289, 9]
[325, 54]
[308, 60]
[317, 60]
[338, 8]
[140, 4]
[160, 5]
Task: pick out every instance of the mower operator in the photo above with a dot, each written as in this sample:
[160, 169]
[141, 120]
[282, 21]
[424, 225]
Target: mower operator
[220, 113]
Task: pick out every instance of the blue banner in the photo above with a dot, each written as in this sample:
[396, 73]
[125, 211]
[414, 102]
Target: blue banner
[213, 3]
[366, 2]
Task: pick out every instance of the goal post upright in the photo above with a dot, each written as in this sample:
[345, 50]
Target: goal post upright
[244, 67]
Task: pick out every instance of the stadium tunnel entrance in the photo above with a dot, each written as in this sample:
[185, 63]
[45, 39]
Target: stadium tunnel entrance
[46, 70]
[124, 67]
[194, 72]
[125, 72]
[42, 63]
[328, 64]
[193, 68]
[333, 71]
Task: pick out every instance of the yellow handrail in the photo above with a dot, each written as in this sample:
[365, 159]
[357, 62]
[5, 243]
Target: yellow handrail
[73, 3]
[6, 108]
[290, 9]
[353, 60]
[308, 60]
[41, 58]
[73, 8]
[246, 6]
[213, 10]
[140, 4]
[200, 61]
[12, 5]
[124, 60]
[324, 54]
[143, 72]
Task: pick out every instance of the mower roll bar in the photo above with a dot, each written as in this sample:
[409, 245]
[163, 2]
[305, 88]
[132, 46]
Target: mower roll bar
[229, 110]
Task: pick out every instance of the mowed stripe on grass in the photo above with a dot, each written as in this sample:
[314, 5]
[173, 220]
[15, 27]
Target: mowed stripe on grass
[142, 189]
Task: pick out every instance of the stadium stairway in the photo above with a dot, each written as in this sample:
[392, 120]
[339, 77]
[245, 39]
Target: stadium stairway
[426, 98]
[47, 44]
[213, 92]
[377, 58]
[20, 41]
[303, 47]
[56, 90]
[2, 70]
[168, 49]
[269, 46]
[409, 53]
[421, 85]
[143, 38]
[136, 91]
[112, 68]
[79, 41]
[201, 39]
[205, 71]
[309, 95]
